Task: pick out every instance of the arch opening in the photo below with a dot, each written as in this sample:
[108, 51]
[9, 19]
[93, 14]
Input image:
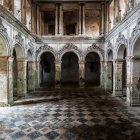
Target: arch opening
[15, 73]
[70, 69]
[17, 54]
[92, 69]
[136, 67]
[3, 71]
[110, 69]
[47, 69]
[122, 53]
[18, 49]
[29, 68]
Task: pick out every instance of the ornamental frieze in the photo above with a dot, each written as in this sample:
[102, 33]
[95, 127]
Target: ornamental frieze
[19, 39]
[69, 47]
[97, 48]
[135, 33]
[121, 40]
[45, 48]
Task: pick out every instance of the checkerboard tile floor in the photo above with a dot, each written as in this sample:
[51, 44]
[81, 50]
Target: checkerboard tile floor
[70, 115]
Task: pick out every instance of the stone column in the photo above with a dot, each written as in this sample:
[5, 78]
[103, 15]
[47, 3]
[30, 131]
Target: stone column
[33, 18]
[129, 62]
[109, 85]
[23, 11]
[117, 77]
[107, 17]
[116, 11]
[21, 79]
[3, 81]
[57, 74]
[38, 20]
[59, 19]
[81, 74]
[31, 76]
[103, 74]
[10, 80]
[133, 82]
[130, 4]
[1, 2]
[102, 18]
[37, 74]
[81, 19]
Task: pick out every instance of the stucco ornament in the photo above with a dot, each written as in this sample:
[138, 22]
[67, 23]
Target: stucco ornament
[97, 48]
[68, 48]
[44, 48]
[19, 39]
[121, 40]
[135, 34]
[3, 32]
[31, 47]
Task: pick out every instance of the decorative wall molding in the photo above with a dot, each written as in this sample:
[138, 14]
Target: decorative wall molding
[3, 32]
[121, 40]
[97, 48]
[68, 48]
[133, 15]
[19, 39]
[109, 45]
[135, 34]
[31, 47]
[44, 48]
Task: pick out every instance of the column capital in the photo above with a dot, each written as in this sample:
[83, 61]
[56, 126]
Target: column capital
[118, 60]
[22, 60]
[57, 61]
[10, 58]
[129, 58]
[81, 62]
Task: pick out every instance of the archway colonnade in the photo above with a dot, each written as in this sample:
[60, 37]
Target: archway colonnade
[123, 68]
[70, 69]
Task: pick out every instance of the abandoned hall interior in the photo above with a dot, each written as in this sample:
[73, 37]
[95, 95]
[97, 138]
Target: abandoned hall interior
[69, 69]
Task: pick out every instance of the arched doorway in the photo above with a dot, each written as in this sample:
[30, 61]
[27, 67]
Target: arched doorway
[92, 69]
[4, 97]
[110, 70]
[70, 69]
[47, 69]
[29, 70]
[121, 56]
[136, 71]
[17, 54]
[15, 74]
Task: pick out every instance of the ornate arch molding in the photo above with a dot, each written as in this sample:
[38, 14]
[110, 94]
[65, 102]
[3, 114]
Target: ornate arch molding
[70, 48]
[20, 41]
[121, 40]
[4, 34]
[97, 49]
[109, 48]
[134, 36]
[45, 48]
[30, 47]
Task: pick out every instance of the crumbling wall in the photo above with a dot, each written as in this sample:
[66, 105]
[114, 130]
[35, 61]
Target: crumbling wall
[92, 20]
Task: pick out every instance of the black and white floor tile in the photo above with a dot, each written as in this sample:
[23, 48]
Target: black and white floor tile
[70, 115]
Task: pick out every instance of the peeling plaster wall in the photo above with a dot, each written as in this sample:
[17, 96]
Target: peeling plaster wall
[92, 22]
